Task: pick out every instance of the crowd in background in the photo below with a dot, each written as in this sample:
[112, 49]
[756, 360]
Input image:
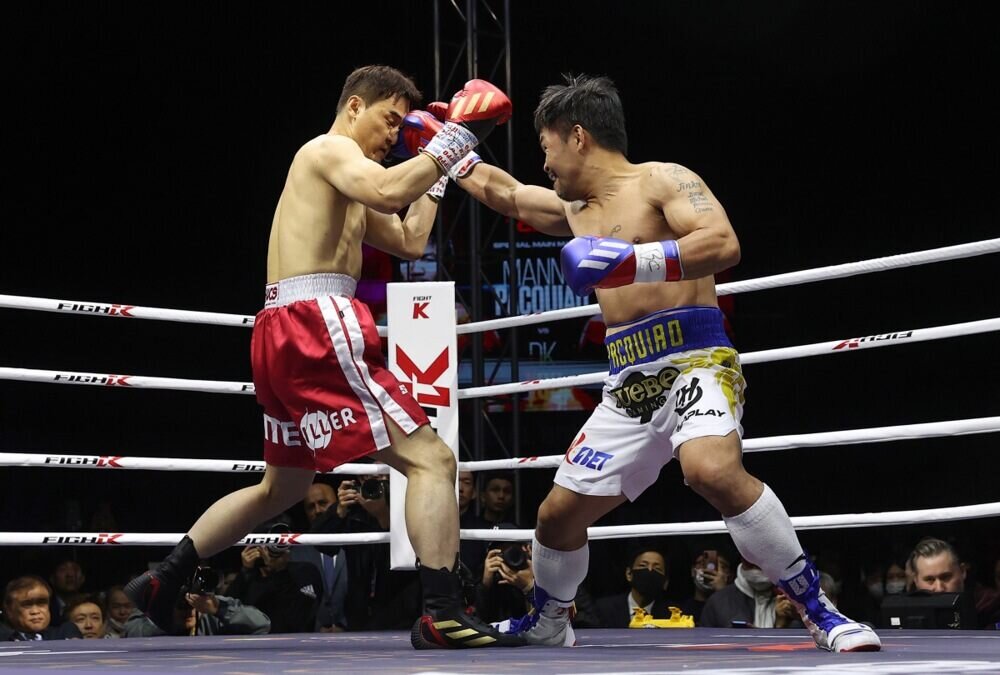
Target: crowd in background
[292, 589]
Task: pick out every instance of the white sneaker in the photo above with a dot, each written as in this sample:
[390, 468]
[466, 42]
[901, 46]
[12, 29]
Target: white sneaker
[830, 629]
[548, 624]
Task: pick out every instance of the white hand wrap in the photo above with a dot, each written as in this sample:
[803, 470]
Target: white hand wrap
[450, 145]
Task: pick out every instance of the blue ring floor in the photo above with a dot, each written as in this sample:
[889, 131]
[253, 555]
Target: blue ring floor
[692, 651]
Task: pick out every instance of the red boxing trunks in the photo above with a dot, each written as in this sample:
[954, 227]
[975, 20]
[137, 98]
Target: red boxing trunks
[319, 373]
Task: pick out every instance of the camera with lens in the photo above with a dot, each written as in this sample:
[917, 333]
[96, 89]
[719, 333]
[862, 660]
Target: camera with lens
[512, 553]
[370, 488]
[204, 581]
[274, 548]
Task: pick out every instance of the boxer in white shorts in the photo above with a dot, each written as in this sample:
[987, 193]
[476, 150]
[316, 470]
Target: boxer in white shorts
[648, 240]
[654, 402]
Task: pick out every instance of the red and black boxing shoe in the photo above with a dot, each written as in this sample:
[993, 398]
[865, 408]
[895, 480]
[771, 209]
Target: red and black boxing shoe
[447, 623]
[459, 629]
[157, 592]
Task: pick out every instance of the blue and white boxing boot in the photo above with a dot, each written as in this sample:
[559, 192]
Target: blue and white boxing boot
[830, 629]
[547, 624]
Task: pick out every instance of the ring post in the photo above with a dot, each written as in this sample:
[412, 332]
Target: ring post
[423, 354]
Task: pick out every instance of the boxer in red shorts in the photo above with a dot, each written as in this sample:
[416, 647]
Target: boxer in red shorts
[317, 364]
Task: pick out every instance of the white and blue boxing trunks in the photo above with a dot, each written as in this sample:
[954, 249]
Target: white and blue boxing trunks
[673, 376]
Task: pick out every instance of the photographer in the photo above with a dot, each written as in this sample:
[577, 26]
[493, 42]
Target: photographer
[288, 592]
[377, 598]
[507, 582]
[201, 612]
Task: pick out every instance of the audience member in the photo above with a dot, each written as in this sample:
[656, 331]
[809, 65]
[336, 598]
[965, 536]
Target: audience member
[87, 613]
[712, 571]
[287, 592]
[750, 602]
[377, 597]
[119, 609]
[936, 568]
[204, 614]
[497, 498]
[67, 579]
[330, 617]
[647, 577]
[507, 582]
[27, 614]
[471, 551]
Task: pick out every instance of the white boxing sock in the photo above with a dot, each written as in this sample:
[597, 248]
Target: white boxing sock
[559, 573]
[764, 536]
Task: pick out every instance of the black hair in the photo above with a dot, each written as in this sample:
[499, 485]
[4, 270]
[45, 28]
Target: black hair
[375, 83]
[590, 101]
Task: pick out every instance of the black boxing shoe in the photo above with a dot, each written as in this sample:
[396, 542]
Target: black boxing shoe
[457, 629]
[447, 624]
[157, 592]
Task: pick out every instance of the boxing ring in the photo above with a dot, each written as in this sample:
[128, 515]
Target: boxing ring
[689, 650]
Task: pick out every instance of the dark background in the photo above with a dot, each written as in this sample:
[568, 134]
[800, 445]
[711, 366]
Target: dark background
[144, 149]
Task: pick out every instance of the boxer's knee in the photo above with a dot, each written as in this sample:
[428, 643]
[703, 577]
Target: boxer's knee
[421, 452]
[560, 523]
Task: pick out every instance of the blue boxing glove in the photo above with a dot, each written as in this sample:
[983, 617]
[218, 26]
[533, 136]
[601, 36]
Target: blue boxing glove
[604, 262]
[418, 128]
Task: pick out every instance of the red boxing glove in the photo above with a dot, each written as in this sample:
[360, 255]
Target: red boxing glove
[418, 128]
[469, 118]
[439, 109]
[479, 107]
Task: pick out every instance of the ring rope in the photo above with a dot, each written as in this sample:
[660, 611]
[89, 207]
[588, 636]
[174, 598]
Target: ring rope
[763, 283]
[119, 310]
[980, 425]
[762, 356]
[219, 387]
[844, 520]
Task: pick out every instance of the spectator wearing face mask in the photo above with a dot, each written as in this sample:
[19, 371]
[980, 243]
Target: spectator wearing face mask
[647, 577]
[750, 602]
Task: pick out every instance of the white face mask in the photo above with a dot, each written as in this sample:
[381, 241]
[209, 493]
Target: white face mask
[895, 587]
[756, 578]
[876, 590]
[699, 581]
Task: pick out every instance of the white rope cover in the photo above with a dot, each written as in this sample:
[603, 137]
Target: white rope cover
[981, 425]
[763, 283]
[846, 521]
[840, 346]
[780, 354]
[775, 281]
[842, 520]
[171, 538]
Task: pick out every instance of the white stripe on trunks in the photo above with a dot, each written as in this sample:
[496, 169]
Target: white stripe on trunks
[389, 405]
[343, 350]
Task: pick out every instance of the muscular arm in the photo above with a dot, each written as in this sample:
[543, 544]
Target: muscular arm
[341, 163]
[405, 238]
[537, 206]
[705, 236]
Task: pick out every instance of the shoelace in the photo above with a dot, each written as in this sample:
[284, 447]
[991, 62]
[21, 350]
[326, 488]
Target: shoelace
[525, 623]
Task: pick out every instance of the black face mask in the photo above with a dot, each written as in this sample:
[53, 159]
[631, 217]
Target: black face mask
[648, 583]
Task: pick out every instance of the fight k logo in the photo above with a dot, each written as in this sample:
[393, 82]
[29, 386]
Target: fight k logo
[641, 395]
[426, 379]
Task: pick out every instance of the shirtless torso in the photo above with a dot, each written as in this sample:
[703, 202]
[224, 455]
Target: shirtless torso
[633, 210]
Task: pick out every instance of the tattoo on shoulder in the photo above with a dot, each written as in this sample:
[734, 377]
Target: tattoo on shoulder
[677, 171]
[699, 202]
